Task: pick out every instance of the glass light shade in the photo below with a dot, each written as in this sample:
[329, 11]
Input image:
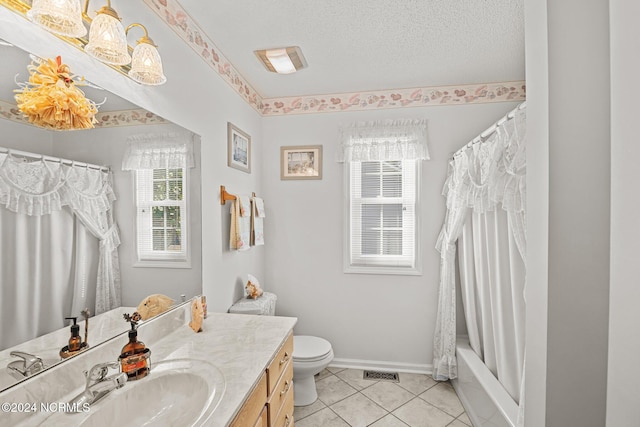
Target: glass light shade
[284, 60]
[146, 65]
[280, 61]
[107, 41]
[62, 17]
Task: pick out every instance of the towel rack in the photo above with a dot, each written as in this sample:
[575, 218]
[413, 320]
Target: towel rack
[225, 196]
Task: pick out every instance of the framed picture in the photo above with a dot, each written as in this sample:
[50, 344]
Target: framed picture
[301, 162]
[238, 149]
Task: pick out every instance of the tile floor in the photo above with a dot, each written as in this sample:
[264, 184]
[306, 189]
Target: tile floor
[345, 399]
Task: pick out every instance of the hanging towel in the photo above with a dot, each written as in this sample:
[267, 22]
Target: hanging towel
[239, 238]
[257, 222]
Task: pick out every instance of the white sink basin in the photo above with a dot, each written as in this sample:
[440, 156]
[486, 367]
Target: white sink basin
[178, 392]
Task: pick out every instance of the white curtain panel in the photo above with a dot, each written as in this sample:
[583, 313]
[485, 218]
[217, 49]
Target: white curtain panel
[47, 271]
[42, 188]
[36, 258]
[492, 275]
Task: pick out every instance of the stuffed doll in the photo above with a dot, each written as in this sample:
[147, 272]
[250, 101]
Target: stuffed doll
[253, 288]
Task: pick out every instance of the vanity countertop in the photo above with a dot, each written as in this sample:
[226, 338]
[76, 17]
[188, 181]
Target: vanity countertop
[241, 346]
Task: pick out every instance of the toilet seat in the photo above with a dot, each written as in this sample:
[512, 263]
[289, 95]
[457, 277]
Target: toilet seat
[310, 349]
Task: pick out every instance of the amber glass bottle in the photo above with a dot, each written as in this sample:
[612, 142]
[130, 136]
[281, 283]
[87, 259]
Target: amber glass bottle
[75, 342]
[134, 357]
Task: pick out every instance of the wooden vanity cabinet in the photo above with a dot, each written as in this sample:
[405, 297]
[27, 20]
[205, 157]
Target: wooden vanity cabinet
[262, 419]
[270, 403]
[253, 407]
[280, 386]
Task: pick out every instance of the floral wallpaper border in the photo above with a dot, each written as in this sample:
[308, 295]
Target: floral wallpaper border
[136, 117]
[415, 97]
[174, 15]
[9, 111]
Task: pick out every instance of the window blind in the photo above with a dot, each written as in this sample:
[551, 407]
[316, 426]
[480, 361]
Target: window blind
[161, 214]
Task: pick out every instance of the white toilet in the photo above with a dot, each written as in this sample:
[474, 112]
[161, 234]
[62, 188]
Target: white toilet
[310, 354]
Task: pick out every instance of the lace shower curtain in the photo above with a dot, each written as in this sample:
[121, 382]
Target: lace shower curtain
[485, 195]
[33, 194]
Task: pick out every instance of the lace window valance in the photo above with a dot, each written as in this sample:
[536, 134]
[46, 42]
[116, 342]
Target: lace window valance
[159, 150]
[384, 140]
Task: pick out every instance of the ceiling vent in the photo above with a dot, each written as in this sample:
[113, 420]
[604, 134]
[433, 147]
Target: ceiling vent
[283, 60]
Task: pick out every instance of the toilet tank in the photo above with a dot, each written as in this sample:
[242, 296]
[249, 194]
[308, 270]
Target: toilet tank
[265, 305]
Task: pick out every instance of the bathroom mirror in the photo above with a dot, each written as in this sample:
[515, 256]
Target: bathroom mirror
[104, 145]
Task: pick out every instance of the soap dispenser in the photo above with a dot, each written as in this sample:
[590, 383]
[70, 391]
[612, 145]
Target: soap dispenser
[75, 342]
[134, 357]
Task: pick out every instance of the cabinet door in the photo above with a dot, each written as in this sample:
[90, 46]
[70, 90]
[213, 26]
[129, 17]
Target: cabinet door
[281, 392]
[262, 420]
[285, 417]
[253, 406]
[279, 363]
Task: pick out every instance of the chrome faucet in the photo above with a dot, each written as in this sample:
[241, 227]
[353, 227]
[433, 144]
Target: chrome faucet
[99, 384]
[29, 365]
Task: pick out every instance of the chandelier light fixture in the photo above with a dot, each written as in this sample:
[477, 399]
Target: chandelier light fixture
[107, 40]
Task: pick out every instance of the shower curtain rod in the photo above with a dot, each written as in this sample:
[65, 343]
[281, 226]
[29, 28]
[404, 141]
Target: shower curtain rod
[53, 159]
[491, 129]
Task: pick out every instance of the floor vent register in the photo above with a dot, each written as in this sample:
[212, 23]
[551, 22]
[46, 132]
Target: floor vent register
[381, 376]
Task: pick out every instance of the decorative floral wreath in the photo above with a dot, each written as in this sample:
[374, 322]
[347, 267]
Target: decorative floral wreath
[51, 99]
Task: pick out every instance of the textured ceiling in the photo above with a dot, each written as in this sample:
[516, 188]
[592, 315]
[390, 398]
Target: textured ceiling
[362, 45]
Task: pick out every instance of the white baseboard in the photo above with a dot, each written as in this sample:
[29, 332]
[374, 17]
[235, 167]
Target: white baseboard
[379, 365]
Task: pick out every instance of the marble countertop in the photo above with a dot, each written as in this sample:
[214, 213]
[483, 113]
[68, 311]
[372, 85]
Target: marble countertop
[240, 346]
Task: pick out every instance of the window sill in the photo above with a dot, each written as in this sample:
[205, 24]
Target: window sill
[162, 264]
[398, 271]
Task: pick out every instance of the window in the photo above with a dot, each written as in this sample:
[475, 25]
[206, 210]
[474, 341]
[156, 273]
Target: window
[162, 217]
[382, 174]
[381, 217]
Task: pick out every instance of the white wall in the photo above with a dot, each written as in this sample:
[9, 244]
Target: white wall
[536, 295]
[378, 318]
[25, 137]
[569, 213]
[106, 147]
[623, 385]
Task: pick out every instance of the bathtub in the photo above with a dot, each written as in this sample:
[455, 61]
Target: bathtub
[484, 399]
